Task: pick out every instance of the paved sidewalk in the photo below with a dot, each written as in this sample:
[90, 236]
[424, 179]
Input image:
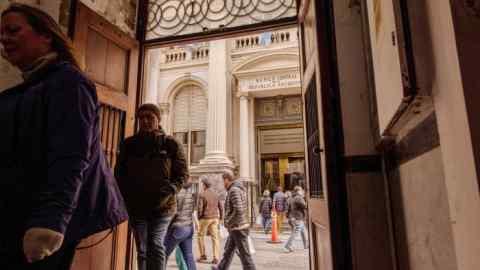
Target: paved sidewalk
[267, 256]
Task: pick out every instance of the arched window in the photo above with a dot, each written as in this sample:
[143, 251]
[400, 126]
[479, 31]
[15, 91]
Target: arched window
[190, 121]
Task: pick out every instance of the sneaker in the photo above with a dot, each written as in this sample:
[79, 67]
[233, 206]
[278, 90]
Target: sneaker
[287, 250]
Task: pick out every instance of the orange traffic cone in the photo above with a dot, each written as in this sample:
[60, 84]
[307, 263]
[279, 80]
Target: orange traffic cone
[274, 239]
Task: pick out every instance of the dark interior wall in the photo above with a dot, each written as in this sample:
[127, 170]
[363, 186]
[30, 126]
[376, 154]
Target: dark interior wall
[419, 202]
[420, 213]
[367, 201]
[466, 21]
[415, 182]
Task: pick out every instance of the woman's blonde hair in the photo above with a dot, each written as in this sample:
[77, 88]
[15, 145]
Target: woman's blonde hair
[44, 24]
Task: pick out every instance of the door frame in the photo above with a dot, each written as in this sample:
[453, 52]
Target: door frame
[334, 146]
[328, 93]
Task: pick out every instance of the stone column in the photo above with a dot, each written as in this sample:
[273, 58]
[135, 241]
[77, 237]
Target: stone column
[244, 139]
[151, 87]
[219, 100]
[165, 111]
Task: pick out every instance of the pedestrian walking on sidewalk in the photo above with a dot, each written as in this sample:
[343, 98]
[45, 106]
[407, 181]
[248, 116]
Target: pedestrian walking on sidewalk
[150, 170]
[210, 212]
[296, 215]
[180, 231]
[265, 210]
[280, 204]
[236, 221]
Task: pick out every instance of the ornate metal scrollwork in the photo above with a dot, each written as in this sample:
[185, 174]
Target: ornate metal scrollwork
[178, 17]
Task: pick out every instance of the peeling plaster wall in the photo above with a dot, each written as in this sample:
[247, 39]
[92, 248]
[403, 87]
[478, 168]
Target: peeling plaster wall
[122, 13]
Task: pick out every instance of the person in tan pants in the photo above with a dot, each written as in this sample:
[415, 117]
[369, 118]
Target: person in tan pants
[210, 212]
[280, 204]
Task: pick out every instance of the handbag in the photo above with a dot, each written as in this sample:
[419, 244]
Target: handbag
[223, 232]
[251, 247]
[258, 220]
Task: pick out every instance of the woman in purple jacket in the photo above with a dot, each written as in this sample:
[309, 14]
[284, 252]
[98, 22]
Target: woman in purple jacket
[55, 184]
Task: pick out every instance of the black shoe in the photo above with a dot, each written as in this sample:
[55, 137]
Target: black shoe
[215, 261]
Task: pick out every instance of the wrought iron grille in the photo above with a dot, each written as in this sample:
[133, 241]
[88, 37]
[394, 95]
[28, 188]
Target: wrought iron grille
[314, 161]
[179, 17]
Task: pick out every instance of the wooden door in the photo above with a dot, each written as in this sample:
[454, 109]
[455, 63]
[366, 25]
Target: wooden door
[328, 216]
[110, 59]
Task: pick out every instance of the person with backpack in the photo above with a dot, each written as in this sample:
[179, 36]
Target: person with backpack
[297, 212]
[280, 205]
[150, 170]
[180, 231]
[265, 210]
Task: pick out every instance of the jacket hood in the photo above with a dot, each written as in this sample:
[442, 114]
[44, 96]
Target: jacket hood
[297, 194]
[239, 184]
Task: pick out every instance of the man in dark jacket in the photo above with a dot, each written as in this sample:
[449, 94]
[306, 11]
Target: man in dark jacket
[296, 214]
[151, 169]
[236, 221]
[210, 212]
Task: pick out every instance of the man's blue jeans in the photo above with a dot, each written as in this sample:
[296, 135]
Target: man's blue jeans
[299, 228]
[149, 237]
[181, 236]
[266, 223]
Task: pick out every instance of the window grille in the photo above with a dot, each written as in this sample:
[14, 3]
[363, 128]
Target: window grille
[313, 141]
[181, 17]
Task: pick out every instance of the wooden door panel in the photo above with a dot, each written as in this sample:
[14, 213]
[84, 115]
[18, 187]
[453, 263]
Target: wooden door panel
[328, 217]
[96, 61]
[116, 73]
[111, 61]
[315, 156]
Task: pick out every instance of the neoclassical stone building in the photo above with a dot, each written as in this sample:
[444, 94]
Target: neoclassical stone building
[234, 104]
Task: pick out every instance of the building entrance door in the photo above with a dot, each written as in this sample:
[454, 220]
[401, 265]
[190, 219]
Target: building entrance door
[286, 171]
[160, 26]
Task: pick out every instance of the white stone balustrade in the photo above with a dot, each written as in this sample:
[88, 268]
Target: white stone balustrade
[263, 40]
[182, 55]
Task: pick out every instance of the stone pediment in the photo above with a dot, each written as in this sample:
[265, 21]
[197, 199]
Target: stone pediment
[271, 74]
[270, 63]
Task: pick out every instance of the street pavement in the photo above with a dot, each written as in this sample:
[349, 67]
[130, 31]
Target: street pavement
[267, 256]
